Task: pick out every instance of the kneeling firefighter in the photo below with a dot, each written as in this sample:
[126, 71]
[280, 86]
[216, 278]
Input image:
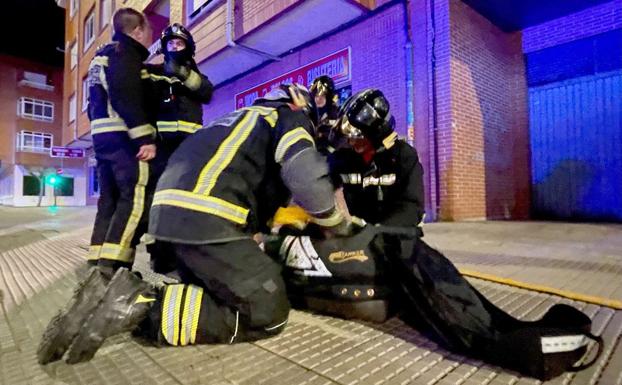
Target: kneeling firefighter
[356, 276]
[219, 189]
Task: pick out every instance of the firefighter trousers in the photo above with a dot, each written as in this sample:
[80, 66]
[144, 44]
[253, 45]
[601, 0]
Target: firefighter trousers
[127, 186]
[231, 292]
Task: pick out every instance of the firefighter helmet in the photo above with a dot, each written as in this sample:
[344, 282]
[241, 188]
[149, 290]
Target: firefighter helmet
[177, 30]
[366, 115]
[323, 85]
[295, 94]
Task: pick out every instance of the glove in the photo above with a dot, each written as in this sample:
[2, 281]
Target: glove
[338, 225]
[172, 67]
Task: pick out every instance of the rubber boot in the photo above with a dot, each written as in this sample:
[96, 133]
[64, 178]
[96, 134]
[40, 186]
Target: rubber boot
[65, 325]
[125, 304]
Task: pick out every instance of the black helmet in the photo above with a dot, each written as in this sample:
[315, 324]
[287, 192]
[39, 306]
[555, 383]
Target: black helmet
[323, 85]
[366, 115]
[295, 94]
[177, 30]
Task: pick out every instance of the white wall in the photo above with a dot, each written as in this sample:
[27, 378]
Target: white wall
[6, 185]
[79, 190]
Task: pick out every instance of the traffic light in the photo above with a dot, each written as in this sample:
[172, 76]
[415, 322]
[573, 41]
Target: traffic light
[52, 180]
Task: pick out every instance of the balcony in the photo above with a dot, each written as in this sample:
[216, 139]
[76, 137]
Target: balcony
[285, 31]
[34, 84]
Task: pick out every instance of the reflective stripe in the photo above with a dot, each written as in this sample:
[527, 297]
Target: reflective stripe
[100, 60]
[142, 130]
[289, 139]
[237, 323]
[351, 178]
[196, 313]
[93, 253]
[190, 318]
[180, 125]
[170, 313]
[225, 153]
[138, 204]
[331, 221]
[116, 252]
[201, 203]
[146, 74]
[99, 126]
[276, 326]
[268, 113]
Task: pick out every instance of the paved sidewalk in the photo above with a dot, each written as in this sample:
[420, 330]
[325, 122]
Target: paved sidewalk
[38, 278]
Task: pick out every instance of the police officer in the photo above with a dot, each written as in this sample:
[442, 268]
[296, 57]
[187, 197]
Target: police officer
[123, 138]
[221, 187]
[181, 90]
[180, 87]
[323, 91]
[381, 175]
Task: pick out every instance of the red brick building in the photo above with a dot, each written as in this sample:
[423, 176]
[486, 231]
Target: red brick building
[462, 77]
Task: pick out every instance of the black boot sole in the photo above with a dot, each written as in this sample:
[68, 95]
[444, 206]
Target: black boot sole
[65, 325]
[117, 312]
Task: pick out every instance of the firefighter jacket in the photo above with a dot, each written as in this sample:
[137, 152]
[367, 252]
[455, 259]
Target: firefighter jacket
[180, 103]
[227, 180]
[119, 95]
[389, 190]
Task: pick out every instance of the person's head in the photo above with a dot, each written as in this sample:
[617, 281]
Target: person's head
[323, 90]
[365, 120]
[176, 42]
[134, 24]
[295, 95]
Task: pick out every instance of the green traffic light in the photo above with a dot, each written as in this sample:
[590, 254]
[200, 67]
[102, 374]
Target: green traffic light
[53, 180]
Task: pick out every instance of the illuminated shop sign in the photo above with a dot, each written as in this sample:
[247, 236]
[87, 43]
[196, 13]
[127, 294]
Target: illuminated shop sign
[336, 65]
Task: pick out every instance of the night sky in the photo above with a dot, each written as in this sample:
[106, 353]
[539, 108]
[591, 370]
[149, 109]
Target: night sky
[33, 29]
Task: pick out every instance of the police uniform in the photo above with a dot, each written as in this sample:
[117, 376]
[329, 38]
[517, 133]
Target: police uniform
[223, 185]
[120, 123]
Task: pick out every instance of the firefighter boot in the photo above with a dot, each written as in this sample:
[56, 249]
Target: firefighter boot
[125, 304]
[65, 325]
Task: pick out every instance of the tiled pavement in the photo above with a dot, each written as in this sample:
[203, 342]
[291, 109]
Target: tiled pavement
[37, 279]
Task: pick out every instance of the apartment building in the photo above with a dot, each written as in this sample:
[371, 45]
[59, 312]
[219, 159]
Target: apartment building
[461, 77]
[31, 100]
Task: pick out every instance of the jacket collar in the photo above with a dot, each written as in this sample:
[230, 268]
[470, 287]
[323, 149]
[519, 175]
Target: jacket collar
[130, 42]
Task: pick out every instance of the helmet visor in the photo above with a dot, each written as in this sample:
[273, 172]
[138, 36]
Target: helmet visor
[348, 130]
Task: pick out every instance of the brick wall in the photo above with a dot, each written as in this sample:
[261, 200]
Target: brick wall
[589, 22]
[483, 147]
[377, 61]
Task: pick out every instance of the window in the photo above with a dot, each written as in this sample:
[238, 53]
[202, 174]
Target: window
[35, 109]
[72, 108]
[85, 93]
[28, 141]
[199, 7]
[32, 186]
[64, 186]
[73, 55]
[73, 7]
[105, 11]
[89, 29]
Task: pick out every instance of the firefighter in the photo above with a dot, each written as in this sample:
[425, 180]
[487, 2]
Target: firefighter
[381, 175]
[381, 180]
[123, 139]
[180, 87]
[219, 189]
[323, 91]
[181, 90]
